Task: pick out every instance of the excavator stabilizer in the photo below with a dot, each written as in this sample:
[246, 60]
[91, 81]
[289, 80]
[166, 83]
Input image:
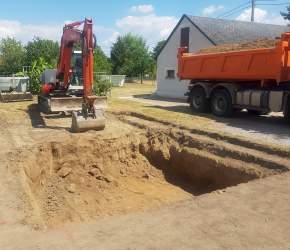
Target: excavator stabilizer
[67, 103]
[80, 123]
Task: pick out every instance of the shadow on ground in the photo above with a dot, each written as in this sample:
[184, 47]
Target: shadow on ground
[38, 119]
[158, 98]
[273, 125]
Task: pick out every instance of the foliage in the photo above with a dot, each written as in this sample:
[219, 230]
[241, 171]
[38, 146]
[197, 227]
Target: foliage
[37, 68]
[20, 74]
[12, 55]
[286, 15]
[157, 49]
[130, 56]
[101, 62]
[101, 87]
[153, 67]
[47, 49]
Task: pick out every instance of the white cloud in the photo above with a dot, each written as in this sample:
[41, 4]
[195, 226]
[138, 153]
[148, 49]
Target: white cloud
[152, 27]
[26, 32]
[212, 9]
[145, 8]
[262, 16]
[107, 43]
[144, 21]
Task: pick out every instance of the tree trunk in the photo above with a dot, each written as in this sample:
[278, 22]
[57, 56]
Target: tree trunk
[141, 77]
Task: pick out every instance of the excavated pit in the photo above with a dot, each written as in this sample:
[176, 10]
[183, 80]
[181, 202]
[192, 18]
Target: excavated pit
[83, 179]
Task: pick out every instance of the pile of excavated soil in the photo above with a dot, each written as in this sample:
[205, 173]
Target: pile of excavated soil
[81, 179]
[260, 43]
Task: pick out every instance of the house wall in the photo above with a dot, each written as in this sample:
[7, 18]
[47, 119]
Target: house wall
[167, 59]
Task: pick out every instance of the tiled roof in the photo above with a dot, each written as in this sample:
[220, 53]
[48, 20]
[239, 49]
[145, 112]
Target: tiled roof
[221, 31]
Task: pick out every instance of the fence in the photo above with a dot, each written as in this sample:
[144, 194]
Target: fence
[115, 80]
[136, 79]
[9, 83]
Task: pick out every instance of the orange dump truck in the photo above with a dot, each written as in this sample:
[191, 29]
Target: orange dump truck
[257, 80]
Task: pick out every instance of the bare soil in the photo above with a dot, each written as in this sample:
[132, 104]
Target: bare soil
[142, 183]
[82, 179]
[259, 43]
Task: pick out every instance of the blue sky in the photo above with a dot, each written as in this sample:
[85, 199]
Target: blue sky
[152, 19]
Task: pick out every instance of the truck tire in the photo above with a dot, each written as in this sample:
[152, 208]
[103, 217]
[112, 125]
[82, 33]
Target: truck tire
[221, 103]
[198, 101]
[257, 112]
[287, 109]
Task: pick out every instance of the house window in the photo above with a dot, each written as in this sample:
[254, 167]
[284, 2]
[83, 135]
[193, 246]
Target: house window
[170, 74]
[184, 37]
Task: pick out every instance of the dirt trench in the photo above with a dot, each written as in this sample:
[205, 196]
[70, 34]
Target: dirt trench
[79, 180]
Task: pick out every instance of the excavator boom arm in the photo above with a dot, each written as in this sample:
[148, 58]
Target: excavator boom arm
[88, 58]
[72, 35]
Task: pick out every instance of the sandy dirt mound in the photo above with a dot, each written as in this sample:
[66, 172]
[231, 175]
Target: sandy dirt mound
[79, 180]
[260, 43]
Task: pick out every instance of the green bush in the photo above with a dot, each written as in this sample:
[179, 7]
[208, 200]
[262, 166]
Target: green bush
[101, 87]
[37, 68]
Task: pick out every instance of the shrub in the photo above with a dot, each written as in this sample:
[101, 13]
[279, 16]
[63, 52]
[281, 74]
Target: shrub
[101, 87]
[37, 68]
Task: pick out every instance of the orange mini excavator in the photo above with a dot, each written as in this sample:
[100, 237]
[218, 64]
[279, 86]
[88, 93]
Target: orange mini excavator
[58, 93]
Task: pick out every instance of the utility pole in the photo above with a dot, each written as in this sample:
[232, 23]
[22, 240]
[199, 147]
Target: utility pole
[253, 11]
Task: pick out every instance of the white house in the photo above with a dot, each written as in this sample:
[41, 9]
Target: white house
[201, 32]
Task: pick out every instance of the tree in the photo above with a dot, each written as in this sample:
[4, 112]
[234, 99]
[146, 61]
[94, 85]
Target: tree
[130, 56]
[157, 49]
[101, 61]
[47, 49]
[12, 56]
[286, 15]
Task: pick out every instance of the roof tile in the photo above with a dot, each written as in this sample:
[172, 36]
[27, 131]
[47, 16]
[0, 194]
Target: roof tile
[222, 31]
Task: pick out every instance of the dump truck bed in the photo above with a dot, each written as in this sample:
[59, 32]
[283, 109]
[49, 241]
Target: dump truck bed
[246, 65]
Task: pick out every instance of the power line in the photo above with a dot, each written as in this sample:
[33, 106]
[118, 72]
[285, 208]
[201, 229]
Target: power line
[252, 4]
[262, 4]
[234, 9]
[237, 11]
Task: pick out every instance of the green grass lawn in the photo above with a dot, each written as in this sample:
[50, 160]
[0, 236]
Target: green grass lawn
[178, 115]
[129, 89]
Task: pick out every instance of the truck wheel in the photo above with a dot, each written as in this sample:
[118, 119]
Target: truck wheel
[221, 103]
[287, 109]
[257, 112]
[198, 101]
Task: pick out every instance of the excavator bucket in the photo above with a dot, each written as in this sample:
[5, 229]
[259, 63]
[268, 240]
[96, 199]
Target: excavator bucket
[15, 96]
[83, 124]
